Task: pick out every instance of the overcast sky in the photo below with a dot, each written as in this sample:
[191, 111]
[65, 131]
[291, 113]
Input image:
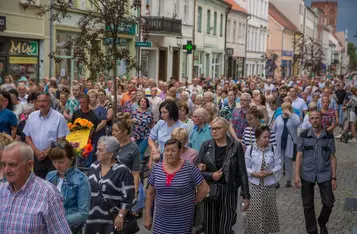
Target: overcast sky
[347, 17]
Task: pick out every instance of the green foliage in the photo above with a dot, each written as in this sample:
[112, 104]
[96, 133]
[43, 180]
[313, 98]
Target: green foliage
[352, 52]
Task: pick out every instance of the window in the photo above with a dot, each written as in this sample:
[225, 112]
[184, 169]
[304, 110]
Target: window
[199, 19]
[234, 31]
[208, 21]
[221, 26]
[215, 23]
[177, 9]
[243, 34]
[161, 7]
[240, 30]
[229, 30]
[185, 11]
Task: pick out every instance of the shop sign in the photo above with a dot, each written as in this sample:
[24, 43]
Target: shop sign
[22, 47]
[143, 44]
[124, 28]
[23, 60]
[287, 53]
[2, 23]
[119, 42]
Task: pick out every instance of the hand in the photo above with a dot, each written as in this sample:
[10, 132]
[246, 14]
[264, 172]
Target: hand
[150, 164]
[119, 223]
[217, 175]
[40, 155]
[201, 167]
[246, 204]
[298, 181]
[266, 173]
[334, 184]
[155, 155]
[148, 223]
[258, 174]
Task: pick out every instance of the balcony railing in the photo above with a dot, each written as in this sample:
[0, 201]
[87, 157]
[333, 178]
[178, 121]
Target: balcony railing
[164, 25]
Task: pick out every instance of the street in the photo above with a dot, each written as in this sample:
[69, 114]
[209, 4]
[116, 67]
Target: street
[290, 209]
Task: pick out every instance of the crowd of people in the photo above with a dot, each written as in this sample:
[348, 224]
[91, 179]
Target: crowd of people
[202, 141]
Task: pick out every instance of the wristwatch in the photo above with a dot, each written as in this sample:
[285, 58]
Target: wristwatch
[333, 178]
[120, 215]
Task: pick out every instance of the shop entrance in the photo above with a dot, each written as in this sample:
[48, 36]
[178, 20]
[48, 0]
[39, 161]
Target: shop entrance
[2, 67]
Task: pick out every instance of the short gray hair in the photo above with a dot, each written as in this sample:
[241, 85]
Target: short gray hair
[111, 144]
[246, 95]
[203, 113]
[26, 152]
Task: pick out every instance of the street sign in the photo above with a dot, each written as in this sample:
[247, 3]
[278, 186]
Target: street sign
[189, 47]
[143, 44]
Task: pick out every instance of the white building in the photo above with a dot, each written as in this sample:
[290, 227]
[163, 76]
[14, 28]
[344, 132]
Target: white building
[345, 60]
[257, 33]
[335, 52]
[171, 26]
[210, 38]
[236, 40]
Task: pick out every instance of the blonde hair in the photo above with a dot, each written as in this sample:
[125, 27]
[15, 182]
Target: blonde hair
[124, 122]
[5, 140]
[92, 92]
[180, 134]
[287, 105]
[221, 120]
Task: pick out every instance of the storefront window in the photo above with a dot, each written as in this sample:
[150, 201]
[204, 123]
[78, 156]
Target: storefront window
[198, 62]
[216, 58]
[23, 58]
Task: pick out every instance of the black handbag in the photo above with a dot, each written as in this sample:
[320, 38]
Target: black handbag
[213, 193]
[130, 225]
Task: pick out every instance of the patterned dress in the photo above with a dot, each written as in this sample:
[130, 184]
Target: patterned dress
[262, 215]
[175, 203]
[141, 127]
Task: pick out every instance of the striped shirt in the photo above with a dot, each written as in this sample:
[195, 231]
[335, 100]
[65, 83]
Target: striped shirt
[36, 208]
[249, 137]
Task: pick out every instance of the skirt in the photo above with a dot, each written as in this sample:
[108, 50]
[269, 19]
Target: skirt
[262, 215]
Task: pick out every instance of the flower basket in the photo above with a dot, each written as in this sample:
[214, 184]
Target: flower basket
[79, 137]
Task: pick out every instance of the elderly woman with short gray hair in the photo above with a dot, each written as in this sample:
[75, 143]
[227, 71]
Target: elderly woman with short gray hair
[113, 192]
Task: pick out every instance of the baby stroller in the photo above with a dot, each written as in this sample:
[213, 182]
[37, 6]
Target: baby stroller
[346, 130]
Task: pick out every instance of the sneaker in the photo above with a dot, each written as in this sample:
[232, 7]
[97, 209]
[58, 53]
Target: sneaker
[288, 184]
[354, 140]
[277, 186]
[338, 136]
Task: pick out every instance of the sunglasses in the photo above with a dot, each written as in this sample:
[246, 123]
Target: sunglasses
[61, 145]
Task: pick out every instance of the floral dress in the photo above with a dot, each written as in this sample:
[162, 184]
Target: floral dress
[142, 124]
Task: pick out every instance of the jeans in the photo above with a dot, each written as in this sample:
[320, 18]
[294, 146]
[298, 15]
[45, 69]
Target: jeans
[327, 198]
[288, 163]
[340, 115]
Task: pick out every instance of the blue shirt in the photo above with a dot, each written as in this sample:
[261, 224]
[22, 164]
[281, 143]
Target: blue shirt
[45, 130]
[198, 136]
[161, 132]
[76, 194]
[279, 111]
[7, 120]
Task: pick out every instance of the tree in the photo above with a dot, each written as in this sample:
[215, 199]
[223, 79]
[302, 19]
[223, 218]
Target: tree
[106, 20]
[271, 66]
[353, 56]
[310, 54]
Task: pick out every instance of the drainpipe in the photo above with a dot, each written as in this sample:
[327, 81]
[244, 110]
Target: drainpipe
[51, 39]
[138, 49]
[225, 41]
[246, 44]
[193, 37]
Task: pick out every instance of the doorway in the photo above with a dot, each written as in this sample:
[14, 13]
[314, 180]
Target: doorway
[163, 64]
[176, 64]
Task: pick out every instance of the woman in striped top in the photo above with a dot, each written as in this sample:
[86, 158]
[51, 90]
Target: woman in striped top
[254, 117]
[173, 184]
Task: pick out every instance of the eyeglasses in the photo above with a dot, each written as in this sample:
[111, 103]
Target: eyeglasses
[61, 145]
[195, 117]
[216, 129]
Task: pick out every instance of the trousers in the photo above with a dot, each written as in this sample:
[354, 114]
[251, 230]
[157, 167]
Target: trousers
[327, 199]
[41, 168]
[220, 215]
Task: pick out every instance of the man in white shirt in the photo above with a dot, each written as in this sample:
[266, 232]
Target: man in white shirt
[21, 88]
[151, 84]
[155, 103]
[42, 128]
[298, 103]
[195, 85]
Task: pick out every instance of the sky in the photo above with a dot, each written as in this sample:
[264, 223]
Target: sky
[347, 17]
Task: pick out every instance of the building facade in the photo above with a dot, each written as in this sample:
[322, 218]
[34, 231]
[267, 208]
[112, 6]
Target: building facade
[210, 38]
[342, 37]
[236, 40]
[329, 9]
[280, 43]
[256, 35]
[23, 40]
[171, 26]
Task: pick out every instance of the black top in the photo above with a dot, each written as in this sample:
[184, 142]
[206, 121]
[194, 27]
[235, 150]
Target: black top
[220, 154]
[90, 116]
[341, 95]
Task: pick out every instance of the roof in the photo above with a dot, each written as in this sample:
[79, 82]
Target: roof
[236, 7]
[340, 37]
[281, 18]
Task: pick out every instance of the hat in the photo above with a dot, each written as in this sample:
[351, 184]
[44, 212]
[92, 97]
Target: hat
[23, 79]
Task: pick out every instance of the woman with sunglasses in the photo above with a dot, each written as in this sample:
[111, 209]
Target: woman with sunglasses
[221, 161]
[264, 169]
[71, 183]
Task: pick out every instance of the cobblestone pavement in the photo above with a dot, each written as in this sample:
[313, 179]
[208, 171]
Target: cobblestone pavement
[290, 209]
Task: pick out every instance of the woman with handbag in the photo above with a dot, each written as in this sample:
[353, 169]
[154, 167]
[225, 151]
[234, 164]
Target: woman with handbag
[285, 126]
[222, 163]
[71, 183]
[173, 184]
[112, 190]
[264, 169]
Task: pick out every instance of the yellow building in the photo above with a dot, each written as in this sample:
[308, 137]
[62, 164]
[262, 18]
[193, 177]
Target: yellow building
[24, 41]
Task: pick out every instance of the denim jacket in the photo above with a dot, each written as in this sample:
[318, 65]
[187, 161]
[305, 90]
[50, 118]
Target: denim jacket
[76, 194]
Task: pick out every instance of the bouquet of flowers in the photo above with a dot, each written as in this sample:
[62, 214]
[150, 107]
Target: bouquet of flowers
[79, 137]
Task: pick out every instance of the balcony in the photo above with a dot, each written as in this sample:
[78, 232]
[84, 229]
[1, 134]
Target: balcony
[164, 25]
